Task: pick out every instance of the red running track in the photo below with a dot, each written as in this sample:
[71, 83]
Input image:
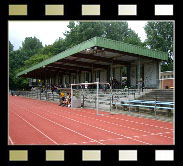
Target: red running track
[35, 122]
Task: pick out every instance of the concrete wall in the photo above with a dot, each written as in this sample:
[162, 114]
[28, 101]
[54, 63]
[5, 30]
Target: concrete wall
[103, 76]
[89, 76]
[133, 75]
[63, 80]
[150, 75]
[82, 77]
[117, 74]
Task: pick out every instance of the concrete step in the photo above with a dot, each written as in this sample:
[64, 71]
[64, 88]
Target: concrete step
[163, 95]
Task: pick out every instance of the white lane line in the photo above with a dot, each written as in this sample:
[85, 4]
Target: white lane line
[94, 127]
[132, 121]
[36, 128]
[108, 123]
[65, 127]
[11, 140]
[113, 139]
[141, 123]
[136, 129]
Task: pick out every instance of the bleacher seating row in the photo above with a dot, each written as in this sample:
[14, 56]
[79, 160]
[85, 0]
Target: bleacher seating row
[153, 105]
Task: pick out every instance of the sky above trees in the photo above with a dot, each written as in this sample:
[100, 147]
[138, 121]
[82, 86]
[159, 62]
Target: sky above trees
[49, 31]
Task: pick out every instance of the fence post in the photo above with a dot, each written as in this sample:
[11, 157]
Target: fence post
[97, 96]
[129, 111]
[95, 102]
[110, 103]
[155, 108]
[46, 94]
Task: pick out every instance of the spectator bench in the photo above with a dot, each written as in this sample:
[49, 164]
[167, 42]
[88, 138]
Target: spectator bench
[157, 105]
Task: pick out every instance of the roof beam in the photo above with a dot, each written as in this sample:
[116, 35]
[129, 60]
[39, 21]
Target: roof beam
[74, 68]
[125, 53]
[61, 70]
[98, 58]
[86, 64]
[46, 73]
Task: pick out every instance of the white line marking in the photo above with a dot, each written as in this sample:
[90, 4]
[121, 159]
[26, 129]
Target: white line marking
[36, 128]
[90, 126]
[133, 121]
[11, 140]
[141, 123]
[111, 123]
[106, 122]
[65, 127]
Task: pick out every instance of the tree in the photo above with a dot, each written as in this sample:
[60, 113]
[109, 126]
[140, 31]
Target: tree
[55, 48]
[82, 31]
[16, 61]
[30, 47]
[34, 60]
[121, 32]
[160, 37]
[10, 46]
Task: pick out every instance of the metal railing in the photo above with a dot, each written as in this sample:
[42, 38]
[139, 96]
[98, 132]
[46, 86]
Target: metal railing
[49, 96]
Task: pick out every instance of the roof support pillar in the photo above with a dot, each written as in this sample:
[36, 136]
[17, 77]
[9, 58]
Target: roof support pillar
[158, 69]
[44, 77]
[58, 79]
[138, 73]
[111, 76]
[77, 79]
[92, 74]
[128, 75]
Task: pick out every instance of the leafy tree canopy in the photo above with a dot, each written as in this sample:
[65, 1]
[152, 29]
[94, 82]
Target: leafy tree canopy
[17, 59]
[10, 46]
[82, 31]
[31, 45]
[160, 37]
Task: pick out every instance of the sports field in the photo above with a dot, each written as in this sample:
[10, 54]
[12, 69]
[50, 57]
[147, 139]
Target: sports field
[36, 122]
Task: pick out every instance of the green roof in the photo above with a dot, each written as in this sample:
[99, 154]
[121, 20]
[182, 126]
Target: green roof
[101, 42]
